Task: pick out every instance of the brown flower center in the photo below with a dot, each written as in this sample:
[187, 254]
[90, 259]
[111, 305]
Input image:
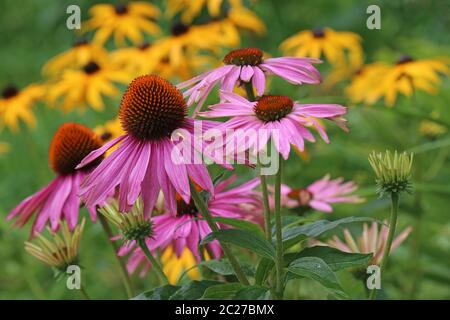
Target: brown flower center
[152, 108]
[91, 67]
[179, 28]
[120, 9]
[71, 143]
[273, 108]
[244, 57]
[303, 196]
[405, 59]
[318, 33]
[9, 92]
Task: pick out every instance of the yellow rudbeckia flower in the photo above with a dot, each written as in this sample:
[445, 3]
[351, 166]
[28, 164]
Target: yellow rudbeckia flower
[338, 47]
[408, 75]
[365, 81]
[85, 87]
[123, 21]
[16, 105]
[108, 131]
[192, 8]
[137, 60]
[174, 266]
[244, 18]
[79, 55]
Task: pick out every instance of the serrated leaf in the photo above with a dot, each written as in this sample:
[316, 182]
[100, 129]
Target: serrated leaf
[222, 291]
[243, 239]
[253, 293]
[160, 293]
[316, 269]
[193, 290]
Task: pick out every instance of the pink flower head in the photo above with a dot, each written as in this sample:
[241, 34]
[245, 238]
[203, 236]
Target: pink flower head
[247, 65]
[59, 200]
[370, 241]
[184, 229]
[320, 194]
[148, 159]
[284, 120]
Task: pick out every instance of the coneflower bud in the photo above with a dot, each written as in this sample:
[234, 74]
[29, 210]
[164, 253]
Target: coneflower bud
[59, 251]
[393, 171]
[132, 224]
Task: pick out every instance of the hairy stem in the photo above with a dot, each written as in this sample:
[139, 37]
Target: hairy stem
[155, 264]
[265, 197]
[278, 232]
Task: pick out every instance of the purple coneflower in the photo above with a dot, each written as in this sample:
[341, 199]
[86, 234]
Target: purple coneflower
[150, 111]
[248, 66]
[320, 194]
[182, 229]
[58, 200]
[275, 115]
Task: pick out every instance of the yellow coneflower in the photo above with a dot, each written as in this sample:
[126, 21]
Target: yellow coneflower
[123, 21]
[338, 47]
[60, 250]
[192, 8]
[408, 75]
[364, 83]
[244, 18]
[137, 60]
[16, 105]
[79, 55]
[85, 87]
[174, 266]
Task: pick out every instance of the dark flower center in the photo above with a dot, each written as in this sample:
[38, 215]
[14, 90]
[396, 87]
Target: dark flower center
[179, 28]
[91, 67]
[152, 108]
[273, 108]
[244, 57]
[405, 59]
[105, 136]
[9, 92]
[71, 143]
[318, 33]
[184, 208]
[80, 42]
[303, 196]
[145, 45]
[120, 9]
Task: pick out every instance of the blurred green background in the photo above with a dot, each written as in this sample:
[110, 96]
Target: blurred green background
[31, 32]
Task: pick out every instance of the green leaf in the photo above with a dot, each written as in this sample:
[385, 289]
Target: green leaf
[160, 293]
[241, 224]
[316, 269]
[253, 293]
[292, 236]
[334, 258]
[222, 291]
[193, 290]
[243, 239]
[262, 270]
[224, 267]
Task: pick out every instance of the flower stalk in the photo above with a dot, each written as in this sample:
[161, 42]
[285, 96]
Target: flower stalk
[203, 208]
[278, 232]
[162, 276]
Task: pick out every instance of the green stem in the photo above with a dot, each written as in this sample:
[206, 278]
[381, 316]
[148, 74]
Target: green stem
[123, 271]
[202, 207]
[153, 261]
[249, 91]
[278, 232]
[265, 197]
[387, 249]
[84, 293]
